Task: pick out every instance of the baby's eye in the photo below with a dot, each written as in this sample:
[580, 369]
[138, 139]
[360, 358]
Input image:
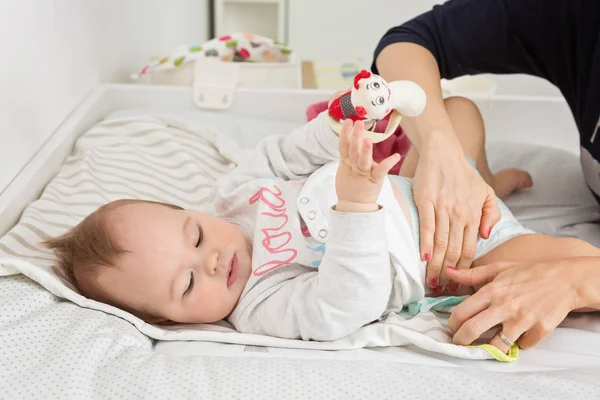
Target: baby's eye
[375, 85]
[191, 285]
[200, 237]
[380, 100]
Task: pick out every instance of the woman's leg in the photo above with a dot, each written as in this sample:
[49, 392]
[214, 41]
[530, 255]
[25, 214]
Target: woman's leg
[470, 131]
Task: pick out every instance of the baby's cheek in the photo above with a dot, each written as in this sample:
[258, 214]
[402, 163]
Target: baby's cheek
[216, 302]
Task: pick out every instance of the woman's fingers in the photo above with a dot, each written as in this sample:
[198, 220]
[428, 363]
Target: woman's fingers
[440, 243]
[427, 230]
[453, 252]
[529, 299]
[477, 276]
[535, 335]
[477, 325]
[468, 309]
[510, 332]
[469, 247]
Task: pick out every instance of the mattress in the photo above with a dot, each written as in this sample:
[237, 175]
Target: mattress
[569, 211]
[55, 348]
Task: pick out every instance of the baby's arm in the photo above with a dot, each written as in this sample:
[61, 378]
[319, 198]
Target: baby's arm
[350, 289]
[353, 283]
[292, 156]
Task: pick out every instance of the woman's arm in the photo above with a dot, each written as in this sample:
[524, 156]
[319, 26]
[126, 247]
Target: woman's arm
[469, 37]
[455, 205]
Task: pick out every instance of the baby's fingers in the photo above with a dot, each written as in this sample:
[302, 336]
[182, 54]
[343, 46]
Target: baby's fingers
[356, 142]
[344, 143]
[382, 169]
[365, 158]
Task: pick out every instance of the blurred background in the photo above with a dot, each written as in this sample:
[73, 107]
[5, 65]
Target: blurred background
[53, 52]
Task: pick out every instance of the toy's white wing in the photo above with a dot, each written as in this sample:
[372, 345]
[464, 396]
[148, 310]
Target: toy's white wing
[408, 98]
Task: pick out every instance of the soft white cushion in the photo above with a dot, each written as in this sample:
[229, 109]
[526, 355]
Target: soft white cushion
[559, 203]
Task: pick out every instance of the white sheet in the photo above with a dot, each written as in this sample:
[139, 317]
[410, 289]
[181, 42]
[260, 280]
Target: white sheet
[49, 347]
[174, 161]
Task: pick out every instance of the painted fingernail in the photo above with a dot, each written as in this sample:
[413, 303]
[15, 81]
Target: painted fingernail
[433, 282]
[437, 289]
[452, 268]
[453, 287]
[427, 257]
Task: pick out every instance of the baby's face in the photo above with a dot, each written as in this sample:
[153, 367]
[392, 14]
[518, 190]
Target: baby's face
[179, 265]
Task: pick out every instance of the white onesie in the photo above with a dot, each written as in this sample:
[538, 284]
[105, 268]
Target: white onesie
[317, 274]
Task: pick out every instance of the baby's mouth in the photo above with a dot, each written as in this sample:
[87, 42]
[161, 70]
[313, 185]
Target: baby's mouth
[232, 271]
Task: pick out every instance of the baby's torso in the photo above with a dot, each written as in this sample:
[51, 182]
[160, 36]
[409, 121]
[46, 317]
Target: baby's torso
[290, 228]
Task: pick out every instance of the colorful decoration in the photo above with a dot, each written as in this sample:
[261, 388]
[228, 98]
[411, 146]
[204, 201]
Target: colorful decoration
[235, 47]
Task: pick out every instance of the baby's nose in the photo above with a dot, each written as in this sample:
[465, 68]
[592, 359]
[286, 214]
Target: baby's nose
[211, 263]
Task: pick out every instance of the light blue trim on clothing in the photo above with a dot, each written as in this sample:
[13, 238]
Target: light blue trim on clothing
[507, 228]
[444, 304]
[406, 188]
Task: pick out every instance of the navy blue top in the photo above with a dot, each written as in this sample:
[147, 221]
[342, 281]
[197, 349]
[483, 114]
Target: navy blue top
[558, 40]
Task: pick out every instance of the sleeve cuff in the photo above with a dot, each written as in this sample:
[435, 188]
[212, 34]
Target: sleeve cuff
[351, 227]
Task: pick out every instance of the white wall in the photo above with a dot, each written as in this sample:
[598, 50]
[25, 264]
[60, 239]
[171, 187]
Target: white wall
[53, 52]
[350, 29]
[130, 31]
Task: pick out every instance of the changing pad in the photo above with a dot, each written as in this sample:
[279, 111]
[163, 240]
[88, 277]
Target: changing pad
[171, 160]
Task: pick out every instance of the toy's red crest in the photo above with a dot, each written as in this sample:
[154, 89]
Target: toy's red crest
[361, 75]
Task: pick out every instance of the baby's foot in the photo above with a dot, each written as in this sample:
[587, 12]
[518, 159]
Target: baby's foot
[511, 180]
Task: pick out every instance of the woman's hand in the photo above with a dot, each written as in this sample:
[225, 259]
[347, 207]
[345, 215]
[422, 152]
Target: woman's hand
[528, 300]
[455, 205]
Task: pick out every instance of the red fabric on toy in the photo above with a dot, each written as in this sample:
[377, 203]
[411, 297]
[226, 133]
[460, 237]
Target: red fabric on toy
[397, 143]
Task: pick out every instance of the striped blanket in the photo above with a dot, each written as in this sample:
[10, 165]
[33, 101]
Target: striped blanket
[173, 161]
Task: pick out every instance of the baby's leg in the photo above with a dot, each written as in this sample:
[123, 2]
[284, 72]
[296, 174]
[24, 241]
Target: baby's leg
[531, 248]
[470, 131]
[538, 248]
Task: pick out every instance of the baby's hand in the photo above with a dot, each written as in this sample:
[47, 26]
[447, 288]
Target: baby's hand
[359, 178]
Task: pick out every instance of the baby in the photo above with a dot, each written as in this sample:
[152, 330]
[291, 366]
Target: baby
[312, 239]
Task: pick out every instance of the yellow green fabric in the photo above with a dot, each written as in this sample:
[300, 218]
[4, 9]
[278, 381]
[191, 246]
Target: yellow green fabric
[513, 353]
[446, 304]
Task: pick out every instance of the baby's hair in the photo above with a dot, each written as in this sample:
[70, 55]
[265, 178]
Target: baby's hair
[87, 248]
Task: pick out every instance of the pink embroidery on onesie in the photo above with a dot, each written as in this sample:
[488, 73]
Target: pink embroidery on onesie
[273, 199]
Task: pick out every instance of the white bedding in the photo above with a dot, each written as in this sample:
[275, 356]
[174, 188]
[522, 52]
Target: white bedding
[49, 345]
[173, 161]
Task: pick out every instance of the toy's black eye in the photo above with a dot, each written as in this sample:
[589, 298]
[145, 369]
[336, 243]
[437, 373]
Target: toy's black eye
[380, 100]
[375, 85]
